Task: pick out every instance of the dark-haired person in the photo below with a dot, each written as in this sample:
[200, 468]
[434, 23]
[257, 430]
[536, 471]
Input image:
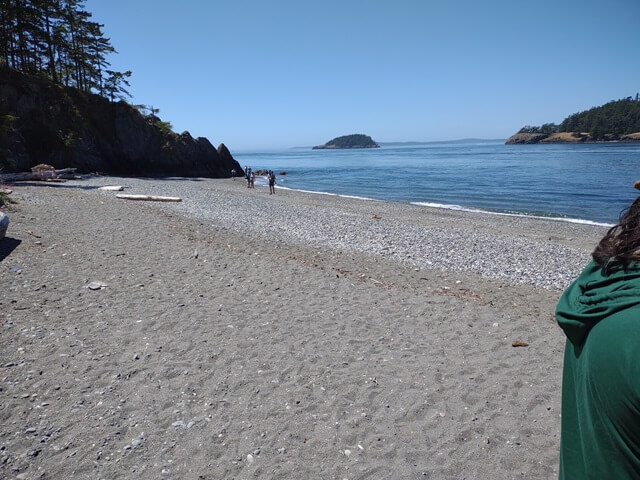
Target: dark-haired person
[600, 315]
[272, 182]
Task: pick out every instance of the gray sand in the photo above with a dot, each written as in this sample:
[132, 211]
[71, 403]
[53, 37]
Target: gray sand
[243, 335]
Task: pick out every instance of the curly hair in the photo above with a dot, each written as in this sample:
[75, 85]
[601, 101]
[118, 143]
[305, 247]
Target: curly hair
[621, 245]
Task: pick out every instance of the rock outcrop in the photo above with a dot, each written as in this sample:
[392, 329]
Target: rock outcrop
[66, 128]
[349, 141]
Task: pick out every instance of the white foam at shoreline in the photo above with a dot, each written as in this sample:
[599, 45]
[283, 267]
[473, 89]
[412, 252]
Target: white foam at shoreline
[460, 208]
[505, 214]
[330, 194]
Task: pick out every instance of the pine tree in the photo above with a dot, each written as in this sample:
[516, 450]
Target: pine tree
[57, 38]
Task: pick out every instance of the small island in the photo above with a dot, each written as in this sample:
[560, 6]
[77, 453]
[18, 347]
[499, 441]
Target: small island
[616, 121]
[349, 141]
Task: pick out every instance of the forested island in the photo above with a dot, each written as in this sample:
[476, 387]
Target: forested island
[61, 104]
[349, 141]
[616, 121]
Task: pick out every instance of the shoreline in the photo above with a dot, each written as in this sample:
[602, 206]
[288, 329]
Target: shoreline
[518, 249]
[446, 206]
[237, 337]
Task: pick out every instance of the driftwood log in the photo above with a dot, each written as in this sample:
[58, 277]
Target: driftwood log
[148, 198]
[38, 175]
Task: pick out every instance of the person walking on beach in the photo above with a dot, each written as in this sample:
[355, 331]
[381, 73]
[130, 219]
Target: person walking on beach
[253, 180]
[272, 182]
[600, 315]
[248, 172]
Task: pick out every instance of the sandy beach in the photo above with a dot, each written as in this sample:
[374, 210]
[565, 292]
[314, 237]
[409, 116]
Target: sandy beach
[239, 335]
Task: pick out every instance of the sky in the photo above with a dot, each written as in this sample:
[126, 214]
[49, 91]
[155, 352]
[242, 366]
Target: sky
[269, 74]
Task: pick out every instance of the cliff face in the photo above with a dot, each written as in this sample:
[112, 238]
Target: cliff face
[65, 128]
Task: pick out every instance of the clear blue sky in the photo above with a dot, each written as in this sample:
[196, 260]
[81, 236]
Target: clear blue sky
[282, 73]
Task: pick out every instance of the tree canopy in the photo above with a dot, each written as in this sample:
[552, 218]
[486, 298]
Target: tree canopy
[611, 120]
[57, 38]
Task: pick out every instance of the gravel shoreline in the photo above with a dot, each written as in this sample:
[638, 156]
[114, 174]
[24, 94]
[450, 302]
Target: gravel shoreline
[518, 250]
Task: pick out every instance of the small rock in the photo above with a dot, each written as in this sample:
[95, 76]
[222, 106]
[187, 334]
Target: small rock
[249, 458]
[96, 286]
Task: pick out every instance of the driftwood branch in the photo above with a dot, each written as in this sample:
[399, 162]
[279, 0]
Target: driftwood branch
[37, 175]
[149, 198]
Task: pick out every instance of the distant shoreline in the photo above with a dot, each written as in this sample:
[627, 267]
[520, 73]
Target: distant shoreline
[566, 138]
[411, 143]
[334, 147]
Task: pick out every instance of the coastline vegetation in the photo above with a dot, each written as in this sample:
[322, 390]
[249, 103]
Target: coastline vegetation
[61, 100]
[607, 122]
[57, 39]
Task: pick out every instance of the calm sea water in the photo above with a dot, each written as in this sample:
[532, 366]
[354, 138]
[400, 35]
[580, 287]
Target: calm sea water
[590, 183]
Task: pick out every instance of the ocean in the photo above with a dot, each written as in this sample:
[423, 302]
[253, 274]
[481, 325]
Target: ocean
[589, 183]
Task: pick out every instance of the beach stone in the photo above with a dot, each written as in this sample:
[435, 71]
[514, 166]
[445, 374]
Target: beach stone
[4, 224]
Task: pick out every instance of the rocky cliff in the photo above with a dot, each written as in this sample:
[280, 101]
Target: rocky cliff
[45, 122]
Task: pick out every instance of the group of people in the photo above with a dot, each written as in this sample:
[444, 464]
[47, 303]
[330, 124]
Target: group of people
[251, 178]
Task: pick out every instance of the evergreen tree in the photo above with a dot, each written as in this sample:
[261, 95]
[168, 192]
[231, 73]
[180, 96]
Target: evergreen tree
[113, 86]
[58, 39]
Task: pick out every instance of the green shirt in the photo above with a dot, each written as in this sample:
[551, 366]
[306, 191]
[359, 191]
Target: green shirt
[600, 314]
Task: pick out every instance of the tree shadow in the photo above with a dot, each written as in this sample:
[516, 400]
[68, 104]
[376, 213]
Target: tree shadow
[36, 183]
[29, 183]
[8, 245]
